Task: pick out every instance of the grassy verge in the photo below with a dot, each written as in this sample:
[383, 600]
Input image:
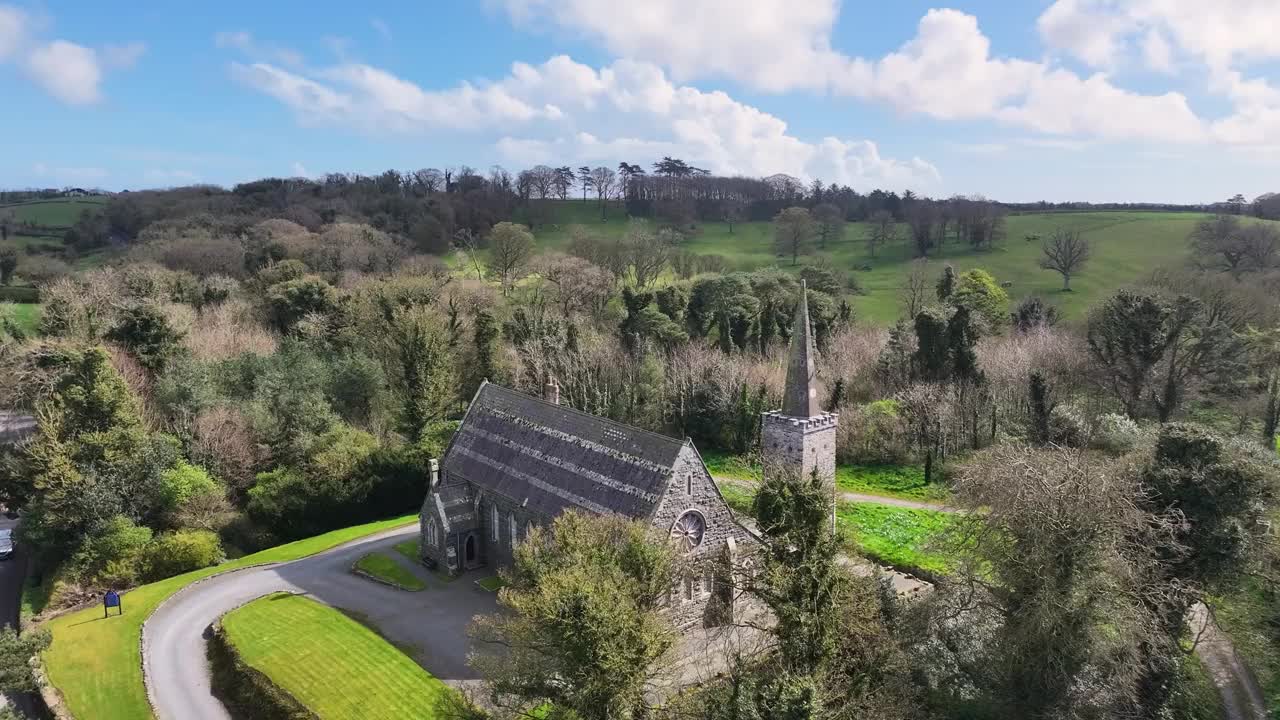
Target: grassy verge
[409, 549]
[904, 538]
[245, 691]
[26, 316]
[1251, 618]
[389, 570]
[97, 665]
[492, 583]
[905, 482]
[329, 662]
[895, 481]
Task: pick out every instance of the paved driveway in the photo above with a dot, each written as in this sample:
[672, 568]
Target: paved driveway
[429, 625]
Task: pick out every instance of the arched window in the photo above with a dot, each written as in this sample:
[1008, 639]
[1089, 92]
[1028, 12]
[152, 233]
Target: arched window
[493, 521]
[431, 531]
[515, 540]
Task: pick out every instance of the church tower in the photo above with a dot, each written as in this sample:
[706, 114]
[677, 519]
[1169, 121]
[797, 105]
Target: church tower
[800, 436]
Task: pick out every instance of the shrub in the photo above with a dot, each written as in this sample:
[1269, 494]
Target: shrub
[182, 551]
[872, 434]
[1067, 426]
[114, 556]
[1116, 433]
[183, 482]
[290, 301]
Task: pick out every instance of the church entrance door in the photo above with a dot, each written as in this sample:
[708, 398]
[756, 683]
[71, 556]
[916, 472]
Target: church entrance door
[469, 551]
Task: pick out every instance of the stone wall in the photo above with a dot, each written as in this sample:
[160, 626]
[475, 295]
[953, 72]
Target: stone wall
[804, 444]
[692, 489]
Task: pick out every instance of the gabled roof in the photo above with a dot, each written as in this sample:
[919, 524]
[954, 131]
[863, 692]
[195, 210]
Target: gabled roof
[550, 458]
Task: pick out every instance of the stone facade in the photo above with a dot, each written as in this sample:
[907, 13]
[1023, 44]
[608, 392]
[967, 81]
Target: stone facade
[555, 459]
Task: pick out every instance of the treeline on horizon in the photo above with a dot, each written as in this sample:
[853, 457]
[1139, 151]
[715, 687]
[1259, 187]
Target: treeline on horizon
[428, 207]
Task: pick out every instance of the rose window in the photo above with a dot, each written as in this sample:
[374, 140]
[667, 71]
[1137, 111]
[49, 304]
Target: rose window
[688, 530]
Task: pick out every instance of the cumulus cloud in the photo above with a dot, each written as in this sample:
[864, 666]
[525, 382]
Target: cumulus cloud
[565, 111]
[947, 70]
[69, 72]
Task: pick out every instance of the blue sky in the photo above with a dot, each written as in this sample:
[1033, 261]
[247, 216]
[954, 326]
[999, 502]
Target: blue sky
[1141, 100]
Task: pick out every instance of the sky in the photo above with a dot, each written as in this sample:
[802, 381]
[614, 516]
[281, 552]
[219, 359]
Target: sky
[1090, 100]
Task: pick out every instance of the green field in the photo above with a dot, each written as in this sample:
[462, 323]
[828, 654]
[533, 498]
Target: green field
[389, 570]
[25, 315]
[905, 482]
[1127, 246]
[96, 664]
[58, 212]
[900, 537]
[330, 663]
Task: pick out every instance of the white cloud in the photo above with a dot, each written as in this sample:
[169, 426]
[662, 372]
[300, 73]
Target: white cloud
[13, 31]
[565, 111]
[244, 41]
[70, 72]
[772, 44]
[67, 71]
[947, 70]
[1156, 52]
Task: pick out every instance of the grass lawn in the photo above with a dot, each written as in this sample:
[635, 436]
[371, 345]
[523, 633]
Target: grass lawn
[389, 570]
[97, 664]
[331, 663]
[26, 316]
[1126, 246]
[896, 481]
[896, 536]
[409, 549]
[492, 583]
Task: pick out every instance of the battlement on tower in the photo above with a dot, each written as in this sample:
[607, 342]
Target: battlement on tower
[805, 424]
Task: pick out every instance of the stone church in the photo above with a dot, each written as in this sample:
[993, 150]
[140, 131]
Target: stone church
[518, 461]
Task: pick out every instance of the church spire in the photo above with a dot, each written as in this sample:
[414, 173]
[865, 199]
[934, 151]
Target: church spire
[800, 397]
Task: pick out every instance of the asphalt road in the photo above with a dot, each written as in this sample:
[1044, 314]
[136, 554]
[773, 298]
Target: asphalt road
[429, 625]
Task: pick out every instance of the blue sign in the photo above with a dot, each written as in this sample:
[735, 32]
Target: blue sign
[112, 599]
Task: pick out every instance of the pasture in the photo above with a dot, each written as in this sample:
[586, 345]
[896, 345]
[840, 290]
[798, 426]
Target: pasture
[1127, 246]
[330, 663]
[60, 212]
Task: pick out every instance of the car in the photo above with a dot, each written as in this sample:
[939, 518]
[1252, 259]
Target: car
[6, 544]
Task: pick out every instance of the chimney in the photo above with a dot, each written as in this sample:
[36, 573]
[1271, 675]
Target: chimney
[435, 473]
[551, 392]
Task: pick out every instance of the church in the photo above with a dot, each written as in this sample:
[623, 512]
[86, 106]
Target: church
[517, 461]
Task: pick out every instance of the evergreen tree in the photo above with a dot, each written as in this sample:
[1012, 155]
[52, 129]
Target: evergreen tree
[1040, 408]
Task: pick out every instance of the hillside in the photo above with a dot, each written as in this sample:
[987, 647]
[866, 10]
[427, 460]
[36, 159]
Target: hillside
[1127, 246]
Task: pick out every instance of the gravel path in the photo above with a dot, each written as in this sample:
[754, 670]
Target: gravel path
[1242, 697]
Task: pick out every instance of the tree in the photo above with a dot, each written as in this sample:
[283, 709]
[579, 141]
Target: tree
[145, 331]
[883, 231]
[1127, 337]
[1264, 357]
[8, 264]
[829, 224]
[17, 673]
[915, 291]
[1260, 244]
[946, 284]
[1207, 499]
[1033, 313]
[1054, 541]
[584, 178]
[290, 301]
[580, 625]
[1216, 244]
[977, 291]
[733, 211]
[419, 355]
[921, 217]
[510, 249]
[792, 232]
[1065, 252]
[1041, 407]
[469, 244]
[605, 182]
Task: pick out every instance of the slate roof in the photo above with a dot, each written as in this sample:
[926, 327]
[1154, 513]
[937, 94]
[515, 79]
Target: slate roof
[456, 506]
[549, 458]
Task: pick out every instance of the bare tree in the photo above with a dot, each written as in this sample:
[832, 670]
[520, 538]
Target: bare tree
[469, 243]
[1065, 252]
[734, 212]
[510, 248]
[829, 221]
[1260, 244]
[918, 288]
[921, 218]
[884, 230]
[1216, 244]
[647, 253]
[792, 231]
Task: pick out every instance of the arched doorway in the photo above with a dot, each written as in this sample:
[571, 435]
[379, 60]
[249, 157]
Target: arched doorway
[469, 553]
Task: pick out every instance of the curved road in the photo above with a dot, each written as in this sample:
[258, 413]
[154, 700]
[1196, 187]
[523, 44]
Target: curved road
[429, 625]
